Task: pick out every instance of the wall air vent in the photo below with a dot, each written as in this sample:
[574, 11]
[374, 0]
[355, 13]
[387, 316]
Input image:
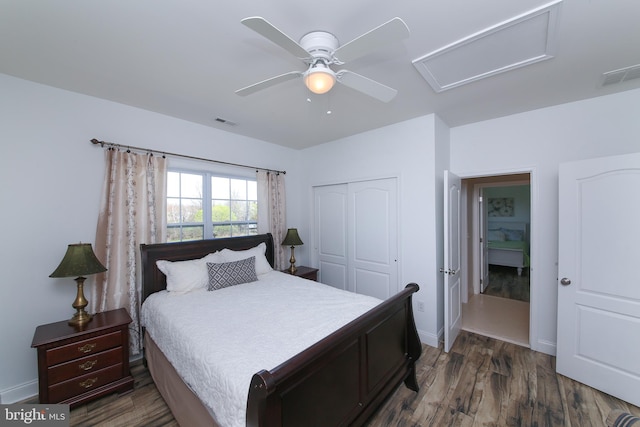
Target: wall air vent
[621, 75]
[225, 121]
[522, 40]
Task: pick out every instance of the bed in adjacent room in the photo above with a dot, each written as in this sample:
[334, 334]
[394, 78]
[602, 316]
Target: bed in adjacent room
[508, 244]
[276, 351]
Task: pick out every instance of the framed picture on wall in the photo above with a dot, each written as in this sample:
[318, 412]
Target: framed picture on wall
[501, 206]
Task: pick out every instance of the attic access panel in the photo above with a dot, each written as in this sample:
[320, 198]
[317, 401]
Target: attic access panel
[515, 43]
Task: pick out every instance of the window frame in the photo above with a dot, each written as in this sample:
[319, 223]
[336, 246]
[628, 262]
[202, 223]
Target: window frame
[208, 225]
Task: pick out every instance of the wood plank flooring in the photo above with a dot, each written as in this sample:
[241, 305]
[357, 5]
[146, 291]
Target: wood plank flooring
[504, 282]
[481, 382]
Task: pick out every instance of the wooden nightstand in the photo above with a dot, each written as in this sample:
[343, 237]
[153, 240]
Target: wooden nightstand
[305, 273]
[75, 366]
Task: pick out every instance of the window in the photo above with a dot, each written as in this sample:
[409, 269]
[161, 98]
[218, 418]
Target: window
[229, 204]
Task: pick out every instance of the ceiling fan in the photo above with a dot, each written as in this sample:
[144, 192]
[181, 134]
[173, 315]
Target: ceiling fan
[319, 50]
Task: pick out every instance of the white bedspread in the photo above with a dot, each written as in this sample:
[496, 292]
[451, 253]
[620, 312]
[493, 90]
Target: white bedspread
[217, 340]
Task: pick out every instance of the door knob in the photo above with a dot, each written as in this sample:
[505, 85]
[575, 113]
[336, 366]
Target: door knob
[565, 282]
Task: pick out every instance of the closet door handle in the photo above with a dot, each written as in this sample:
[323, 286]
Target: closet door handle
[565, 282]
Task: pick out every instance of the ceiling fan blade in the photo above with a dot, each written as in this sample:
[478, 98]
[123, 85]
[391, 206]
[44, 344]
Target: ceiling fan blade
[391, 31]
[268, 83]
[366, 85]
[267, 30]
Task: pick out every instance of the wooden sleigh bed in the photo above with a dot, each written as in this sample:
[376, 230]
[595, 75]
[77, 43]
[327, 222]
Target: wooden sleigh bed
[340, 380]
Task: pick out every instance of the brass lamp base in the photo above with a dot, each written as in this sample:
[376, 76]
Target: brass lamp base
[292, 260]
[81, 317]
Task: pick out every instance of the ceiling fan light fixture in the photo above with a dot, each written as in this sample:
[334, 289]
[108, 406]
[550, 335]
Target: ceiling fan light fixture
[320, 49]
[319, 78]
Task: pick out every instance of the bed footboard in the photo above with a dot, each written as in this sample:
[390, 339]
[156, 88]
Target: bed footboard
[342, 379]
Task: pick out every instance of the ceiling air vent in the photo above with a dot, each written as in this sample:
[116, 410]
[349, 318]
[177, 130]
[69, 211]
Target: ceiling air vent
[621, 75]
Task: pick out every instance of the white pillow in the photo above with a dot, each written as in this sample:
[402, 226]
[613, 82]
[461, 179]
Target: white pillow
[513, 235]
[262, 265]
[496, 236]
[187, 276]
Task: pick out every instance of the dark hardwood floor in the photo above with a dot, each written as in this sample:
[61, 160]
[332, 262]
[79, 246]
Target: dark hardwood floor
[504, 282]
[481, 382]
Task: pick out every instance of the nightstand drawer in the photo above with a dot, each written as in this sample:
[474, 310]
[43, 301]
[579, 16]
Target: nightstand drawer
[84, 365]
[76, 365]
[85, 383]
[83, 348]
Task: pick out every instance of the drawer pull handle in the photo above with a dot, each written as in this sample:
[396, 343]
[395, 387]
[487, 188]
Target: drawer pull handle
[88, 383]
[88, 365]
[87, 348]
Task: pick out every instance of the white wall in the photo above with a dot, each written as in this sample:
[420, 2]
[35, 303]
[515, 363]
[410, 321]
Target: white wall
[409, 151]
[539, 141]
[51, 177]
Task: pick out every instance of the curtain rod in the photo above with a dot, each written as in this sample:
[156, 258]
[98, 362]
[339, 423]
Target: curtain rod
[130, 147]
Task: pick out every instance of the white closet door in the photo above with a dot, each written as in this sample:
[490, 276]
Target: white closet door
[372, 227]
[356, 235]
[331, 234]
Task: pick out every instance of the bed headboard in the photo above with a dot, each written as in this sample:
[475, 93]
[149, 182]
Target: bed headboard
[153, 280]
[510, 225]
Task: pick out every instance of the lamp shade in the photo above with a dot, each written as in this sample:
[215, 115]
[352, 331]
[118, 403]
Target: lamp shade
[78, 261]
[292, 238]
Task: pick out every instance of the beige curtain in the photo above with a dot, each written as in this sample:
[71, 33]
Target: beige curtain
[271, 211]
[132, 211]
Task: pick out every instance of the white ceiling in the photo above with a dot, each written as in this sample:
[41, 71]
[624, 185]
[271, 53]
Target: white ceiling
[186, 58]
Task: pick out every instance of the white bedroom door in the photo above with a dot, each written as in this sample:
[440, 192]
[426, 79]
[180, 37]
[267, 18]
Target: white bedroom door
[331, 234]
[598, 286]
[484, 243]
[452, 270]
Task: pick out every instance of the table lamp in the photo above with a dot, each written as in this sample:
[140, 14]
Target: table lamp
[79, 261]
[292, 239]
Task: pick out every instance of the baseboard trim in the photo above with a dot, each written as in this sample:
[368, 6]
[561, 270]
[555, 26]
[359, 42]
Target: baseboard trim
[429, 338]
[19, 393]
[547, 347]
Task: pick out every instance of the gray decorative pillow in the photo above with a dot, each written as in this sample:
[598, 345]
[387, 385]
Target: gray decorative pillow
[231, 273]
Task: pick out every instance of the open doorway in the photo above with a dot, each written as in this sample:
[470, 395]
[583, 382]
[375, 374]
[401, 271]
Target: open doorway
[498, 225]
